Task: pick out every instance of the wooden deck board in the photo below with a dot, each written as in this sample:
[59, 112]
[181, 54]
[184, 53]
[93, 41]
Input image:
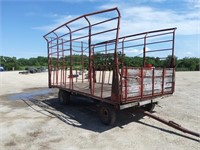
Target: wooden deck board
[84, 87]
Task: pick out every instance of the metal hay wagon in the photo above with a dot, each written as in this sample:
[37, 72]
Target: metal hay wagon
[87, 57]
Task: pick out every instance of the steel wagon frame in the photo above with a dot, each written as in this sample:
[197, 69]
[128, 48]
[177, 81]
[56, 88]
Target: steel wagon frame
[81, 61]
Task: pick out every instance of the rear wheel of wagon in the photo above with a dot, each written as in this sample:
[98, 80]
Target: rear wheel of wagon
[107, 114]
[64, 97]
[149, 107]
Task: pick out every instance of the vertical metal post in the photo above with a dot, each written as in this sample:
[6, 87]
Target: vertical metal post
[109, 77]
[102, 82]
[57, 47]
[100, 75]
[93, 71]
[63, 63]
[115, 94]
[153, 77]
[71, 83]
[163, 78]
[82, 60]
[71, 72]
[173, 64]
[144, 50]
[49, 62]
[142, 78]
[54, 75]
[58, 62]
[65, 76]
[76, 77]
[90, 56]
[107, 56]
[122, 70]
[126, 84]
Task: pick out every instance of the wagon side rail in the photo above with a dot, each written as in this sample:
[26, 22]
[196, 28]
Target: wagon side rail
[145, 81]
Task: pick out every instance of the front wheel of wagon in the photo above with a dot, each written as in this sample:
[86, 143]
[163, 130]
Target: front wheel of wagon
[64, 97]
[149, 107]
[107, 114]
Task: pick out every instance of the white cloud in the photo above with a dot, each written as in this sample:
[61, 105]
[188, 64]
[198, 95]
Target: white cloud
[58, 21]
[135, 19]
[193, 3]
[188, 53]
[133, 51]
[144, 18]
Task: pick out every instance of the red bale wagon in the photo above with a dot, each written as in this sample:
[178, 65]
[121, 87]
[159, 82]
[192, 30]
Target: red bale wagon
[87, 57]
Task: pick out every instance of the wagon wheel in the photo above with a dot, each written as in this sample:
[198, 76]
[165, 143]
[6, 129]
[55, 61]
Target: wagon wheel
[64, 97]
[149, 107]
[107, 114]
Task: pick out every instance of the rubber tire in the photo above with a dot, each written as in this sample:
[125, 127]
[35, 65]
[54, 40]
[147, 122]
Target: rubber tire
[64, 97]
[149, 107]
[107, 114]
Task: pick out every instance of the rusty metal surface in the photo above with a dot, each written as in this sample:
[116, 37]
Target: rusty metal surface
[73, 51]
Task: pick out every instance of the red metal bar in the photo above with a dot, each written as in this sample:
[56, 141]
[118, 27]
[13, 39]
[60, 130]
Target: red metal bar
[82, 60]
[102, 83]
[106, 56]
[59, 51]
[138, 46]
[153, 77]
[83, 16]
[81, 37]
[122, 70]
[171, 124]
[116, 93]
[57, 60]
[163, 78]
[57, 69]
[100, 76]
[54, 75]
[173, 64]
[144, 51]
[146, 97]
[148, 32]
[88, 26]
[93, 72]
[126, 84]
[109, 77]
[90, 56]
[142, 78]
[49, 63]
[63, 65]
[173, 80]
[65, 78]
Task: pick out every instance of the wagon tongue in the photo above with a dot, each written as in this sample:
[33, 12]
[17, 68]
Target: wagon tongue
[170, 123]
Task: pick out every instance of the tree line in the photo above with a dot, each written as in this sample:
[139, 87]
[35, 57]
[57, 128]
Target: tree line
[184, 64]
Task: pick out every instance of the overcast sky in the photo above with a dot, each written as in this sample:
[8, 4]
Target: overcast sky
[24, 22]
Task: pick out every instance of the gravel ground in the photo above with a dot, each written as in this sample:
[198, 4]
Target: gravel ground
[32, 118]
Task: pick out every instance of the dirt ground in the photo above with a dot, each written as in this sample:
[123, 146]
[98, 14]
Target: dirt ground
[31, 118]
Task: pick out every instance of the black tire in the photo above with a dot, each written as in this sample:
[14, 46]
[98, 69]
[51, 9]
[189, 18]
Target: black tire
[149, 107]
[64, 97]
[107, 114]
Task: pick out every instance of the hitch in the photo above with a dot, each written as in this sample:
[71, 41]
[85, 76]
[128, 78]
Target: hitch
[170, 123]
